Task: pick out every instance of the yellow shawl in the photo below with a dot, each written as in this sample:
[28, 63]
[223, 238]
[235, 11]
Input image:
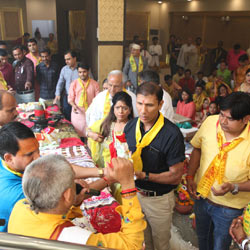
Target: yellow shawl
[146, 140]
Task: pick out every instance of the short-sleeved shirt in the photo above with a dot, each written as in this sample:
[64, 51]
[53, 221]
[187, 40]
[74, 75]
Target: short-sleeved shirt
[165, 150]
[11, 191]
[237, 164]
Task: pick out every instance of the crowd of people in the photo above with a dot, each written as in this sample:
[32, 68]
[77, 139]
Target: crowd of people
[129, 127]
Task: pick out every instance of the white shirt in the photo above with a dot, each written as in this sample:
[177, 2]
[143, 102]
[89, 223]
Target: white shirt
[155, 51]
[185, 48]
[167, 107]
[96, 108]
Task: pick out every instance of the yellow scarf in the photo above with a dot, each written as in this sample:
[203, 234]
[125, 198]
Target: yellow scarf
[133, 64]
[83, 98]
[107, 105]
[37, 59]
[216, 169]
[10, 170]
[3, 83]
[146, 140]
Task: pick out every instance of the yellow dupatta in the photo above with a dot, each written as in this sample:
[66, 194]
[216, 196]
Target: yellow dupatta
[3, 83]
[216, 169]
[37, 59]
[10, 170]
[83, 98]
[133, 64]
[146, 140]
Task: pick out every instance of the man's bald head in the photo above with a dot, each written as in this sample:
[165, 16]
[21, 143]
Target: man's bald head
[8, 112]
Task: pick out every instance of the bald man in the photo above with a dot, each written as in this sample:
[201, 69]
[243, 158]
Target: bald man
[8, 105]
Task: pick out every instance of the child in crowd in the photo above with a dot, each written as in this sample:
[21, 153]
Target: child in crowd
[210, 108]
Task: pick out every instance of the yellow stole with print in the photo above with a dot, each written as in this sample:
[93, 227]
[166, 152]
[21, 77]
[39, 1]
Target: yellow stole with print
[107, 105]
[10, 170]
[216, 169]
[3, 83]
[146, 140]
[83, 98]
[133, 64]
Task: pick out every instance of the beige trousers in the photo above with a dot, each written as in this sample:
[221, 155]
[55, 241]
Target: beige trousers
[158, 213]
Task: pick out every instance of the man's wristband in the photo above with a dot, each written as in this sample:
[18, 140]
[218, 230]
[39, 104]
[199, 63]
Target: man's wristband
[106, 180]
[87, 132]
[189, 177]
[146, 176]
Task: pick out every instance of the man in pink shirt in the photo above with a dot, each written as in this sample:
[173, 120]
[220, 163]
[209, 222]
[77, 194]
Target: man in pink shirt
[6, 68]
[81, 93]
[233, 57]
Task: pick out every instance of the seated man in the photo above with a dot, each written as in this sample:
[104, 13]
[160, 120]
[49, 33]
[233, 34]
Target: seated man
[47, 209]
[187, 81]
[18, 148]
[199, 95]
[8, 112]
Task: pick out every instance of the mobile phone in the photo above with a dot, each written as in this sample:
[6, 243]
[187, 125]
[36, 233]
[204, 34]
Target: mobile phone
[92, 192]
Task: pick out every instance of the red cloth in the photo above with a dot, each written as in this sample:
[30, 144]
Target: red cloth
[70, 142]
[103, 217]
[187, 83]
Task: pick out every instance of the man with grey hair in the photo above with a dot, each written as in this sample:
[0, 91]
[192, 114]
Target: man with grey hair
[102, 103]
[52, 202]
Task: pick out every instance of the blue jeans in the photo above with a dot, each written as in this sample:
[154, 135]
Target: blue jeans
[66, 108]
[212, 225]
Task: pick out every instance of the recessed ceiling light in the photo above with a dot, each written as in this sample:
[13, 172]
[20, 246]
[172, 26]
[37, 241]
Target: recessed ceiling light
[159, 2]
[189, 0]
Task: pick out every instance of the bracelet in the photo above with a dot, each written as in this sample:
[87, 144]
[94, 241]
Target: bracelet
[132, 190]
[189, 177]
[106, 180]
[240, 218]
[128, 195]
[87, 132]
[244, 242]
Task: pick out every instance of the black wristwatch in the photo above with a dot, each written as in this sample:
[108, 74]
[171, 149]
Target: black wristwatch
[146, 176]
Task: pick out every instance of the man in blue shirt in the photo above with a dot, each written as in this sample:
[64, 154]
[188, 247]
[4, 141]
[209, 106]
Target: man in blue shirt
[68, 74]
[18, 148]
